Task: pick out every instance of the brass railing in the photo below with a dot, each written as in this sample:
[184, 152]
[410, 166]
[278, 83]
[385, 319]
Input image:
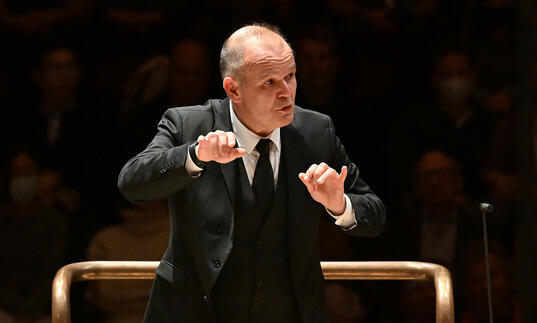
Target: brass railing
[381, 270]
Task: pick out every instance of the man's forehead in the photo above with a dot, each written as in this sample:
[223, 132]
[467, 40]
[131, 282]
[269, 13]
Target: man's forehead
[263, 53]
[270, 65]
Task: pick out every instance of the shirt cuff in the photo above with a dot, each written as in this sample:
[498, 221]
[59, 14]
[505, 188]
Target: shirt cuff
[347, 220]
[191, 168]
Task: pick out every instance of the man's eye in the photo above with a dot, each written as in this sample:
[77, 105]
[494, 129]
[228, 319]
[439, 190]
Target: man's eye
[290, 76]
[269, 82]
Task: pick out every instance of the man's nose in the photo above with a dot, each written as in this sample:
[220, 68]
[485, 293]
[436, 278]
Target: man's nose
[284, 90]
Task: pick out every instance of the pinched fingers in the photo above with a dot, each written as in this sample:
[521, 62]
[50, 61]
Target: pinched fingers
[308, 175]
[331, 173]
[218, 146]
[230, 139]
[320, 171]
[319, 174]
[307, 183]
[222, 143]
[343, 175]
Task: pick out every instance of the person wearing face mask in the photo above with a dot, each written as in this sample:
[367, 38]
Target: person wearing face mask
[32, 244]
[22, 188]
[449, 118]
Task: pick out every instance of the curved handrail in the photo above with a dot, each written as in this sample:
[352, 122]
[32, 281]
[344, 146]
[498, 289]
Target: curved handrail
[348, 270]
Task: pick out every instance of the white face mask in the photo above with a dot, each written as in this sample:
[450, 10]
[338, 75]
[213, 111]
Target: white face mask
[22, 189]
[454, 90]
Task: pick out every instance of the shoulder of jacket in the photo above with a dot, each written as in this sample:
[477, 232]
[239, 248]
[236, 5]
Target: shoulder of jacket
[305, 116]
[201, 108]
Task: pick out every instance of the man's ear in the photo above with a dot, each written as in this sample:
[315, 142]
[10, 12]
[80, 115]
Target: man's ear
[231, 86]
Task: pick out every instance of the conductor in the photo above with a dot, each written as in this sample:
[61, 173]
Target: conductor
[247, 179]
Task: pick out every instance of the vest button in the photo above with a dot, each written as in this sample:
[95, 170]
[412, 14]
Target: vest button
[219, 230]
[205, 298]
[216, 263]
[259, 283]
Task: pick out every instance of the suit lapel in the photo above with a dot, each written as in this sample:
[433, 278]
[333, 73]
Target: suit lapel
[296, 157]
[222, 121]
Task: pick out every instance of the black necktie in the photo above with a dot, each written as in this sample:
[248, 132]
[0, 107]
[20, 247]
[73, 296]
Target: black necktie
[263, 185]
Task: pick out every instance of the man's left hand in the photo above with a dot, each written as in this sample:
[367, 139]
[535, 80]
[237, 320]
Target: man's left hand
[325, 186]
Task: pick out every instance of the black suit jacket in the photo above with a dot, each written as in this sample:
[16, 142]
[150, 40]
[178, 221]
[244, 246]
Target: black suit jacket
[201, 209]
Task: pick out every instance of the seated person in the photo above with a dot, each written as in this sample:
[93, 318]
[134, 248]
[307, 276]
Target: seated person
[143, 235]
[32, 243]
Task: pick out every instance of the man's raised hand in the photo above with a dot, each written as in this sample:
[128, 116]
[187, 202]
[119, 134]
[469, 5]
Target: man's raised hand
[219, 147]
[326, 186]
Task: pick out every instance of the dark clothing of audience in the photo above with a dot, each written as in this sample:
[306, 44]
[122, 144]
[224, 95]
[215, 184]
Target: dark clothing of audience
[32, 249]
[427, 127]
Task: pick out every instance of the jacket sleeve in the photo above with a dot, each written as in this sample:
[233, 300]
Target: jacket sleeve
[159, 170]
[369, 210]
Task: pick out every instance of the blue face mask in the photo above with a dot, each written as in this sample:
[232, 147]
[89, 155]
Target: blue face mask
[22, 189]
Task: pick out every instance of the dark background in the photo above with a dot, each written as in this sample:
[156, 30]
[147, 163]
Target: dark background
[433, 100]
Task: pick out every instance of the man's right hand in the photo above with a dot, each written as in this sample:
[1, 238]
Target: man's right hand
[218, 146]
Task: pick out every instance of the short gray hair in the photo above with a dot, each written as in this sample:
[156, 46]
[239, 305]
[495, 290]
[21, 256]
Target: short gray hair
[232, 57]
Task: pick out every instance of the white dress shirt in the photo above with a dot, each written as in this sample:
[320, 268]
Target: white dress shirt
[248, 140]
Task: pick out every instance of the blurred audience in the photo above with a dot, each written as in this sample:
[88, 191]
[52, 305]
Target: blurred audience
[143, 236]
[178, 79]
[417, 303]
[436, 222]
[61, 124]
[344, 304]
[450, 120]
[32, 242]
[84, 86]
[318, 63]
[494, 38]
[39, 17]
[334, 244]
[505, 305]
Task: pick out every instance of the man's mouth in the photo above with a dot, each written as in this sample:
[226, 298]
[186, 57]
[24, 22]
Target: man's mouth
[286, 108]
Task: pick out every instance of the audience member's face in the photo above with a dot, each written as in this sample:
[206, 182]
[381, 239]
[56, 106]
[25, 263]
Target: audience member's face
[58, 76]
[316, 63]
[453, 78]
[267, 93]
[47, 186]
[24, 178]
[437, 179]
[189, 73]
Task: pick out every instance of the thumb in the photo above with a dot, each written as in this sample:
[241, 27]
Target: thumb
[238, 152]
[343, 175]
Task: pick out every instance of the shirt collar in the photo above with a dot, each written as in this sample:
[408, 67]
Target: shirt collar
[245, 137]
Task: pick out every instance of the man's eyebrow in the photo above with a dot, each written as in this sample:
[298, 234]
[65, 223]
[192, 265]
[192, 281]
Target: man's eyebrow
[266, 74]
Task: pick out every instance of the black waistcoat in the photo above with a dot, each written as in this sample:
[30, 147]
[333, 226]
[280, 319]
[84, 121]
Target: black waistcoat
[255, 284]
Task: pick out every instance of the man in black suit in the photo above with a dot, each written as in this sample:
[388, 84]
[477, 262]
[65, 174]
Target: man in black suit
[245, 210]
